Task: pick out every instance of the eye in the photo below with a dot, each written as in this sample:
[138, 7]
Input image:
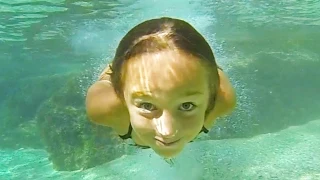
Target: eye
[187, 106]
[147, 106]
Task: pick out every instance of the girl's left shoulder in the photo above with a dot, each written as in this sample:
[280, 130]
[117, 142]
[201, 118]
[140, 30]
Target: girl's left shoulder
[226, 97]
[225, 100]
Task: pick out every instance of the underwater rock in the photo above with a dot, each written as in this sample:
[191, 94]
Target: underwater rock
[71, 140]
[19, 107]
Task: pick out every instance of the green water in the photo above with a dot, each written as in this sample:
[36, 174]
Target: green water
[52, 50]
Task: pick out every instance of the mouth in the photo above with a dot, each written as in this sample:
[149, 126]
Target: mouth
[166, 143]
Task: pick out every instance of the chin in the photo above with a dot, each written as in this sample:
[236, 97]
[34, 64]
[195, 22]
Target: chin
[168, 152]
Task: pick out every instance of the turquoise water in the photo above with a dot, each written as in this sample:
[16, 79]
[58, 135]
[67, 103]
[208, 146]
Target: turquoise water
[52, 50]
[292, 153]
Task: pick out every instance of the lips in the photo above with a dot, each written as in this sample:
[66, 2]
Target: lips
[168, 142]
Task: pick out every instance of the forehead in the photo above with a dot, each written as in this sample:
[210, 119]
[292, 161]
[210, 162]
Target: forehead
[165, 72]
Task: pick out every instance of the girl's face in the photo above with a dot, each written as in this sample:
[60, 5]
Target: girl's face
[166, 94]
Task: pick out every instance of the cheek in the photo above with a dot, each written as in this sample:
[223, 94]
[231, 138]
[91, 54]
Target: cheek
[139, 123]
[194, 122]
[192, 125]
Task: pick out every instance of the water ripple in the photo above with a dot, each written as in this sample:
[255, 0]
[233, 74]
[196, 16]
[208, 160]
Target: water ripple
[20, 16]
[274, 12]
[28, 18]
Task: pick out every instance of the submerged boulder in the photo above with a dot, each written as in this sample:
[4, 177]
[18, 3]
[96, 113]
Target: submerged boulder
[72, 141]
[19, 107]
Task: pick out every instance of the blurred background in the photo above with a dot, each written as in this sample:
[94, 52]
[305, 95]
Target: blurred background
[52, 51]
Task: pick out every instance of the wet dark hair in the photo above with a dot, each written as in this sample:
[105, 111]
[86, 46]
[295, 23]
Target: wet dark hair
[164, 33]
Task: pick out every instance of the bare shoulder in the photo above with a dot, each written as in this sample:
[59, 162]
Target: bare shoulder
[226, 94]
[98, 102]
[225, 101]
[105, 108]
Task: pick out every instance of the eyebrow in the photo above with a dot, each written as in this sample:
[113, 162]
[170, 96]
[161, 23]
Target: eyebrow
[140, 94]
[149, 94]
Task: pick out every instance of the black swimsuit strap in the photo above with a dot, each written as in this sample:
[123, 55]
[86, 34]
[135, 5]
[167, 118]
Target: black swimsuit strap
[128, 135]
[204, 129]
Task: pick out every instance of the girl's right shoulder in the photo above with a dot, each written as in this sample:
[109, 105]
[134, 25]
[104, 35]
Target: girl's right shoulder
[105, 108]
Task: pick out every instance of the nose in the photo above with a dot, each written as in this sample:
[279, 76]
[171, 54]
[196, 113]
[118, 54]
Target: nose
[166, 125]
